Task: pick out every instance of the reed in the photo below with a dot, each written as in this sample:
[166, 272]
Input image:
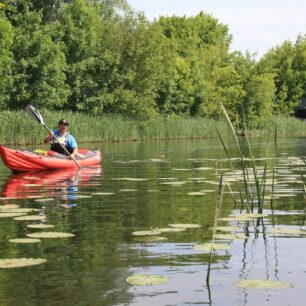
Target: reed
[217, 212]
[254, 185]
[18, 128]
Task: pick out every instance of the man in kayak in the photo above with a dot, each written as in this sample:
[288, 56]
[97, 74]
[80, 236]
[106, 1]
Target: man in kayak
[62, 138]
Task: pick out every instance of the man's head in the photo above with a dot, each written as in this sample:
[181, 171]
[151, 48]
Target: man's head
[63, 122]
[63, 125]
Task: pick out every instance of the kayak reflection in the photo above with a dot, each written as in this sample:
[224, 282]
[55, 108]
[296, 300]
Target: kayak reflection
[62, 185]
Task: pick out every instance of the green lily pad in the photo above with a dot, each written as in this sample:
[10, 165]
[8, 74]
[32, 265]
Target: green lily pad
[226, 228]
[185, 225]
[30, 218]
[230, 237]
[11, 215]
[50, 235]
[24, 240]
[147, 279]
[20, 262]
[263, 284]
[40, 226]
[216, 246]
[102, 193]
[149, 238]
[18, 210]
[147, 233]
[44, 200]
[196, 193]
[287, 231]
[171, 229]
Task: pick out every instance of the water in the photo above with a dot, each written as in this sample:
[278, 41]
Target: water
[91, 268]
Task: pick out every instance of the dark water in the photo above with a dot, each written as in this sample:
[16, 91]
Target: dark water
[91, 268]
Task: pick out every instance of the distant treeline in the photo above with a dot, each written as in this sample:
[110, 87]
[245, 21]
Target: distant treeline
[102, 57]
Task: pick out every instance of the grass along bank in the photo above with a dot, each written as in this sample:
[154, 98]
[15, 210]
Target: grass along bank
[17, 127]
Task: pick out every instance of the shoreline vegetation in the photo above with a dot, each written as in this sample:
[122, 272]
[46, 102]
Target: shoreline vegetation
[18, 128]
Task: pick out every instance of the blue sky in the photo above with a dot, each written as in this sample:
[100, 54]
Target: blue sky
[256, 25]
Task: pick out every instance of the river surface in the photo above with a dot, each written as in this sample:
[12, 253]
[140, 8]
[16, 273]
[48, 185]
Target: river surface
[148, 185]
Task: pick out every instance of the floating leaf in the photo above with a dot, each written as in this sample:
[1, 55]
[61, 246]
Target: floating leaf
[11, 215]
[40, 226]
[24, 240]
[44, 200]
[18, 210]
[287, 231]
[216, 247]
[198, 193]
[50, 235]
[230, 237]
[185, 225]
[20, 262]
[149, 238]
[103, 193]
[263, 284]
[226, 228]
[171, 229]
[147, 279]
[146, 233]
[31, 218]
[175, 183]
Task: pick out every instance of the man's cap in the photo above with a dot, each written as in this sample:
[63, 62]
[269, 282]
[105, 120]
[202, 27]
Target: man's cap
[63, 121]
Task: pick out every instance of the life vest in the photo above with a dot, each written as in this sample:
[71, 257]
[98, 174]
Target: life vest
[63, 140]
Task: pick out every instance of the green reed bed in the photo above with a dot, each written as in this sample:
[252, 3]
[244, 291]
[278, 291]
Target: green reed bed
[19, 128]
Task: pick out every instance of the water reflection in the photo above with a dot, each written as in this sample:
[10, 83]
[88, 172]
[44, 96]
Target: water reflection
[61, 185]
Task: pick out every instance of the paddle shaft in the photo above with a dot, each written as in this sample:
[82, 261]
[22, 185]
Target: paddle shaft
[62, 146]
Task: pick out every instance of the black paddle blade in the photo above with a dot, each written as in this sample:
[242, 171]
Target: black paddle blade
[35, 114]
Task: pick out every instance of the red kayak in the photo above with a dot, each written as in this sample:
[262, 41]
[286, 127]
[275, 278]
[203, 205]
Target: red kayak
[24, 160]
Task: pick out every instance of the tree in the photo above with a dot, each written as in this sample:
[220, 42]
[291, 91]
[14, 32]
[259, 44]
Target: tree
[6, 60]
[39, 63]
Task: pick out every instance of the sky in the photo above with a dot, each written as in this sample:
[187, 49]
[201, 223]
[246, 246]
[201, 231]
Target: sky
[256, 25]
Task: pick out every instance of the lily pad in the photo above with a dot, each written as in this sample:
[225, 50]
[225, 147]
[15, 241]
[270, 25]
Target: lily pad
[24, 240]
[150, 238]
[230, 237]
[287, 231]
[196, 193]
[50, 235]
[44, 200]
[20, 262]
[263, 284]
[216, 246]
[30, 218]
[226, 228]
[185, 225]
[102, 193]
[147, 279]
[11, 215]
[147, 233]
[40, 226]
[18, 210]
[171, 229]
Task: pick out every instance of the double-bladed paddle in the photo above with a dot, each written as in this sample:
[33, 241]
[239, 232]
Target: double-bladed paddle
[38, 117]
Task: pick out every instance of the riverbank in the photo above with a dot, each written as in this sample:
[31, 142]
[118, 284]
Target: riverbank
[17, 127]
